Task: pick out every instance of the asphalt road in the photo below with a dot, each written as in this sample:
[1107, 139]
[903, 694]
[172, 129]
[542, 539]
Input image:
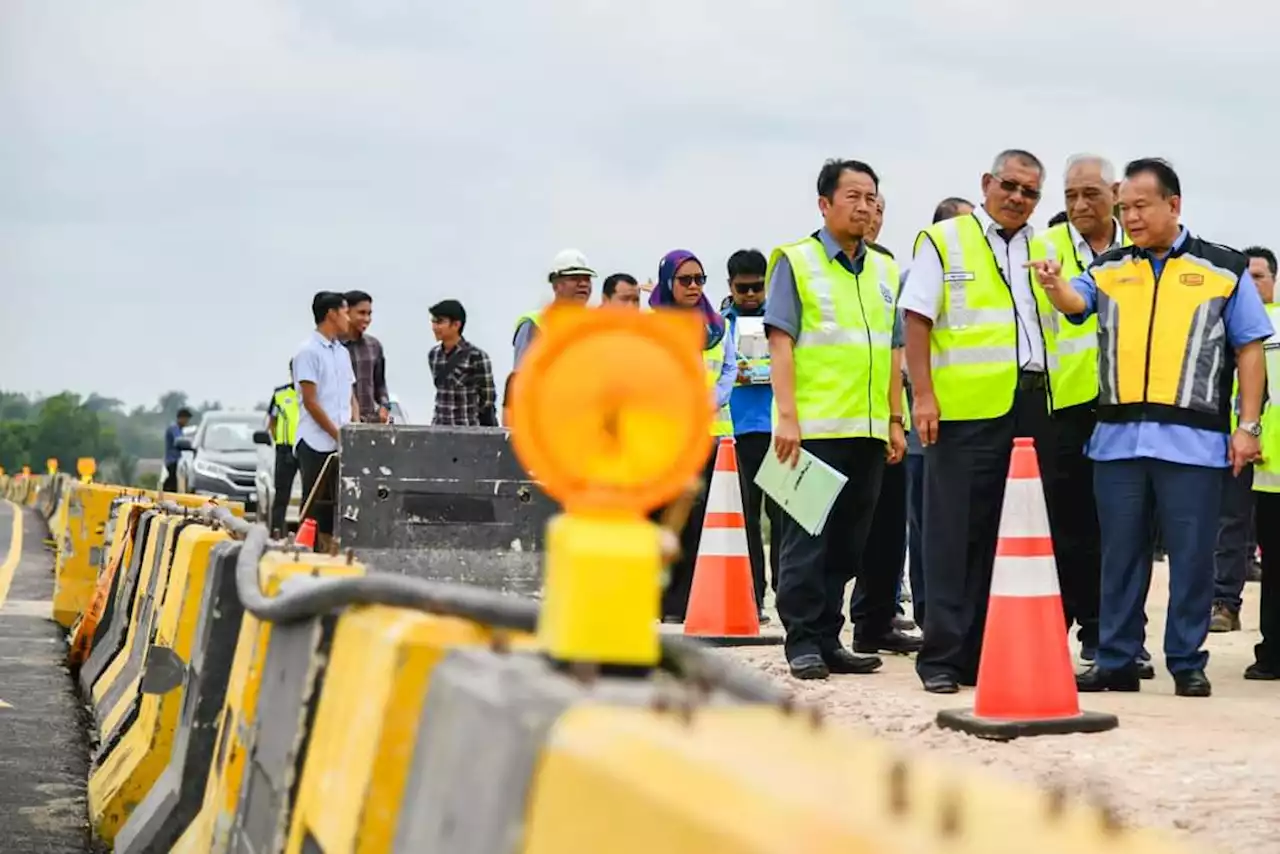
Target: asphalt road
[43, 752]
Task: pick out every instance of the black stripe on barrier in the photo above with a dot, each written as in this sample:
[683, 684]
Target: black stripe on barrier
[292, 679]
[109, 636]
[175, 799]
[143, 639]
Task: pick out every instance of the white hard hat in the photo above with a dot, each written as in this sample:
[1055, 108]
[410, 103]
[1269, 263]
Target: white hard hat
[570, 262]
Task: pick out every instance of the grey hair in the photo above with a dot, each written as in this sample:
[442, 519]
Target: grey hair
[1016, 154]
[1105, 165]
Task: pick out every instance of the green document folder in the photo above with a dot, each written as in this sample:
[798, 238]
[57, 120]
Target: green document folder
[807, 492]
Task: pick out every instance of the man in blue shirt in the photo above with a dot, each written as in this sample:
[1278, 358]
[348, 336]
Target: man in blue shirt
[172, 453]
[1175, 314]
[751, 404]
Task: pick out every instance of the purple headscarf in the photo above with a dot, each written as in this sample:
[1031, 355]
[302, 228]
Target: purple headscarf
[662, 296]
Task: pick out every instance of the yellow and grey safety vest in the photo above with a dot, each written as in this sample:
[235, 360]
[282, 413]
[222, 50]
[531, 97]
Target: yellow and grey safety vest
[1071, 350]
[974, 340]
[534, 317]
[843, 354]
[286, 404]
[713, 358]
[1266, 473]
[1162, 350]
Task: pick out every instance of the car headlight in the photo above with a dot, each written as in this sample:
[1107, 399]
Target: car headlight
[209, 469]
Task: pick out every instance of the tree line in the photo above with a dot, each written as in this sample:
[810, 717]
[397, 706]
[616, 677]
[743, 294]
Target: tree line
[67, 427]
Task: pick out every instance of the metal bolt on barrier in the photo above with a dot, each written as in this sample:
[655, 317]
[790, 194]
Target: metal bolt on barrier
[816, 716]
[949, 820]
[500, 643]
[898, 786]
[1057, 800]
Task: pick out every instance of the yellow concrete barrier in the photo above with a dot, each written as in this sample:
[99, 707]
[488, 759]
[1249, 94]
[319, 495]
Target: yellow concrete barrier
[366, 726]
[228, 813]
[80, 555]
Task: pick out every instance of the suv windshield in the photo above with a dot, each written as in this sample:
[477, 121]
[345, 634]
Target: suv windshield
[226, 435]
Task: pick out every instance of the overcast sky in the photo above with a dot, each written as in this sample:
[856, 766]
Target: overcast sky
[178, 178]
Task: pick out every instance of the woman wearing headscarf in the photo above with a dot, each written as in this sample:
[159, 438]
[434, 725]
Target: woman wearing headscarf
[681, 280]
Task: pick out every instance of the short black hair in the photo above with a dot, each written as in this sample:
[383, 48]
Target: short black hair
[183, 413]
[450, 309]
[1058, 219]
[829, 176]
[1166, 178]
[747, 262]
[610, 285]
[354, 298]
[1264, 253]
[325, 302]
[949, 207]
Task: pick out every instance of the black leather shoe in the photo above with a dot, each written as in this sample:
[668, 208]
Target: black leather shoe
[1096, 679]
[893, 641]
[941, 683]
[1146, 670]
[1191, 683]
[843, 661]
[809, 666]
[1257, 672]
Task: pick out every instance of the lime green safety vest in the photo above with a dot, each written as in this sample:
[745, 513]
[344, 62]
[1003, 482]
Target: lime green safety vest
[713, 358]
[974, 340]
[1070, 349]
[535, 317]
[286, 402]
[1266, 474]
[843, 354]
[891, 294]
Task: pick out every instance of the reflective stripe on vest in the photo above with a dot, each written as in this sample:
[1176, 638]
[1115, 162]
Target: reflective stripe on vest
[843, 352]
[1266, 474]
[1071, 350]
[1167, 364]
[975, 336]
[286, 401]
[713, 358]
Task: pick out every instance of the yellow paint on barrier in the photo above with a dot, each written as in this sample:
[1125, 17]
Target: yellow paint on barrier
[750, 780]
[14, 555]
[163, 545]
[131, 768]
[366, 726]
[210, 830]
[76, 570]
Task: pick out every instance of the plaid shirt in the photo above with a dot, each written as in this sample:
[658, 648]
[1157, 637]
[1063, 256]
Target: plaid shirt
[465, 394]
[370, 367]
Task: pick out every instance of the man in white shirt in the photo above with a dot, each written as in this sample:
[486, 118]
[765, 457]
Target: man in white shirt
[976, 357]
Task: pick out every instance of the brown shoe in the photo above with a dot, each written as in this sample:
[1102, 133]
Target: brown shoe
[1224, 619]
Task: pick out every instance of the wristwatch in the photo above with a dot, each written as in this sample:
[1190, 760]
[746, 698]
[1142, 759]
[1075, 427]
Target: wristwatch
[896, 419]
[1253, 428]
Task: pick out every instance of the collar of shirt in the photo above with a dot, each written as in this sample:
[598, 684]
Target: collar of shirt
[323, 341]
[463, 344]
[835, 252]
[1082, 245]
[991, 228]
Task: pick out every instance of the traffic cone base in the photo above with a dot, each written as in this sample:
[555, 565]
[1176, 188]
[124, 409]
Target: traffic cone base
[722, 600]
[306, 536]
[1026, 682]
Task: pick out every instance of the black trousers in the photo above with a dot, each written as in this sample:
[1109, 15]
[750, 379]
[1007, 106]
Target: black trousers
[751, 448]
[964, 482]
[813, 571]
[286, 470]
[170, 477]
[874, 600]
[675, 597]
[324, 505]
[1267, 509]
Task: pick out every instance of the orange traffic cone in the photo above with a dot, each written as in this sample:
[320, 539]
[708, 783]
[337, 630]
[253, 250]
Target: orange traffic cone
[306, 536]
[1026, 684]
[722, 601]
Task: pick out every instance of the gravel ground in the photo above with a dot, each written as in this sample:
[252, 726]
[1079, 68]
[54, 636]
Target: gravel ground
[1210, 768]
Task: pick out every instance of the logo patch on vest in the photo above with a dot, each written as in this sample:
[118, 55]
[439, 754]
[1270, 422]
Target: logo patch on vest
[887, 294]
[958, 276]
[1191, 279]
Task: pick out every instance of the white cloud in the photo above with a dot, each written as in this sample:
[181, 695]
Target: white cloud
[180, 178]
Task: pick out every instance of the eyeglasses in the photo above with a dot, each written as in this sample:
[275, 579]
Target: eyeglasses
[1014, 187]
[696, 279]
[749, 287]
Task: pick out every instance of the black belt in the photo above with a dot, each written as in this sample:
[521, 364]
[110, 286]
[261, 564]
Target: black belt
[1028, 380]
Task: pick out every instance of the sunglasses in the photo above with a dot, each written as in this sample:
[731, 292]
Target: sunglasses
[1014, 187]
[696, 279]
[749, 287]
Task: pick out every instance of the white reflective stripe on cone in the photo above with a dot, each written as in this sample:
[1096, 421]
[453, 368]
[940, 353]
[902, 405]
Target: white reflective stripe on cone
[1025, 577]
[725, 495]
[723, 542]
[1024, 513]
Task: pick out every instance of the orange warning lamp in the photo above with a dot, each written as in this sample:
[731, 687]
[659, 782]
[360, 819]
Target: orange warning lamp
[51, 465]
[86, 467]
[612, 415]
